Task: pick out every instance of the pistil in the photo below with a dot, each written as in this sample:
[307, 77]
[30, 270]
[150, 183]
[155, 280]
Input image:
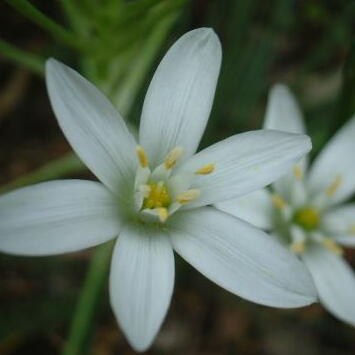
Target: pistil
[307, 217]
[157, 196]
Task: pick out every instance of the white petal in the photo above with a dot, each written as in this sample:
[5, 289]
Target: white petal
[179, 183]
[241, 258]
[180, 95]
[255, 208]
[141, 283]
[91, 124]
[339, 223]
[348, 240]
[283, 112]
[336, 159]
[298, 194]
[244, 163]
[57, 217]
[335, 282]
[288, 184]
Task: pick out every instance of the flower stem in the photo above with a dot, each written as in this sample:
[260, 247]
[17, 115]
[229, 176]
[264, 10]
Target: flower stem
[88, 301]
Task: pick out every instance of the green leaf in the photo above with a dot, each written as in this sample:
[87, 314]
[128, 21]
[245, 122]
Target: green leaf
[21, 57]
[57, 31]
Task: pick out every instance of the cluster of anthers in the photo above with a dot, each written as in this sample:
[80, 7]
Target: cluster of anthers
[160, 193]
[301, 217]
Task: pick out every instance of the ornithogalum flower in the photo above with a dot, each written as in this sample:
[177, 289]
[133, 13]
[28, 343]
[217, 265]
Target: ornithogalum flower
[155, 194]
[304, 210]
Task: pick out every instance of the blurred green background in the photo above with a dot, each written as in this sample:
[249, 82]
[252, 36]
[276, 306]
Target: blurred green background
[308, 45]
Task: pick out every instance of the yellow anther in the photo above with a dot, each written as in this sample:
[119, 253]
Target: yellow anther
[205, 170]
[142, 156]
[298, 247]
[157, 197]
[162, 213]
[307, 217]
[188, 196]
[297, 171]
[333, 187]
[351, 230]
[172, 157]
[278, 201]
[332, 246]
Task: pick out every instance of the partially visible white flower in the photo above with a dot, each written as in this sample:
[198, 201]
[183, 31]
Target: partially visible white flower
[154, 194]
[305, 209]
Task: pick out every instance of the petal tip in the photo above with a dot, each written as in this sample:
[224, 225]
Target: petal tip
[303, 139]
[205, 35]
[282, 93]
[203, 31]
[308, 143]
[52, 63]
[140, 347]
[53, 68]
[280, 86]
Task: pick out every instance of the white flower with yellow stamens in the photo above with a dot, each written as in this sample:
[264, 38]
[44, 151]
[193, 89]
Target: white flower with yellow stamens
[154, 194]
[305, 212]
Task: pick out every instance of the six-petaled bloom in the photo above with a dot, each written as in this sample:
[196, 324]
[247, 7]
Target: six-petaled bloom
[156, 194]
[304, 209]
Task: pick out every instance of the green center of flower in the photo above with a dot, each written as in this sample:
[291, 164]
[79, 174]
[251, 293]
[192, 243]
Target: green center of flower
[153, 200]
[307, 217]
[157, 196]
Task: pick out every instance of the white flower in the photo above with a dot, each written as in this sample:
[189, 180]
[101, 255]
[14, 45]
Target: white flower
[154, 195]
[305, 211]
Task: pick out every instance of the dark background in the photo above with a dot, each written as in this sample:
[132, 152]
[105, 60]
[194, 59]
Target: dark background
[305, 44]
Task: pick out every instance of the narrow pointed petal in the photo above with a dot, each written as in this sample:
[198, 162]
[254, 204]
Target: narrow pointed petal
[141, 283]
[244, 163]
[335, 282]
[283, 112]
[57, 217]
[180, 95]
[241, 258]
[92, 126]
[287, 182]
[339, 222]
[255, 208]
[336, 160]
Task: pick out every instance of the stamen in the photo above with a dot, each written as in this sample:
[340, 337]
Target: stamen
[172, 157]
[158, 196]
[188, 196]
[162, 213]
[332, 246]
[298, 247]
[333, 187]
[297, 171]
[205, 170]
[307, 217]
[142, 156]
[278, 201]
